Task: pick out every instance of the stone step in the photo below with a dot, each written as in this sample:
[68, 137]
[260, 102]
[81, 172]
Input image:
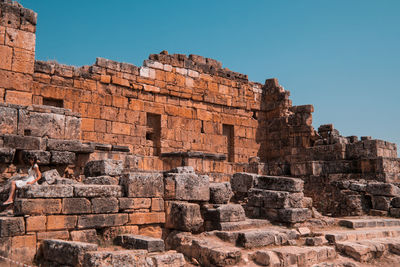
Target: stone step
[367, 250]
[368, 223]
[361, 234]
[150, 244]
[293, 256]
[251, 238]
[246, 224]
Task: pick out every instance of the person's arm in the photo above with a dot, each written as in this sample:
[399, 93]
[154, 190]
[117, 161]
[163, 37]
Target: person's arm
[38, 174]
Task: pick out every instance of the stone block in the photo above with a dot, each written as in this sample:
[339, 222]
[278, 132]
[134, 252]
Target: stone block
[69, 145]
[110, 233]
[381, 202]
[242, 182]
[169, 259]
[101, 220]
[72, 127]
[274, 199]
[50, 176]
[8, 120]
[23, 248]
[41, 124]
[116, 258]
[76, 206]
[395, 212]
[56, 251]
[183, 216]
[212, 254]
[224, 213]
[220, 193]
[146, 218]
[7, 155]
[35, 223]
[62, 235]
[155, 231]
[12, 226]
[104, 205]
[97, 190]
[61, 222]
[62, 158]
[140, 242]
[134, 203]
[103, 167]
[157, 204]
[383, 189]
[46, 191]
[89, 236]
[143, 184]
[280, 183]
[294, 215]
[24, 142]
[266, 258]
[187, 186]
[43, 157]
[102, 180]
[37, 206]
[395, 202]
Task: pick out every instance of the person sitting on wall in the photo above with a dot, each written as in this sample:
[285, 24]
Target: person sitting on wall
[34, 175]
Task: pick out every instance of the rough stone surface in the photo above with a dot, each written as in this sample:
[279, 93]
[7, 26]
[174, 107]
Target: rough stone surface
[220, 193]
[62, 157]
[187, 186]
[280, 183]
[12, 226]
[50, 176]
[37, 206]
[97, 190]
[102, 180]
[183, 216]
[225, 213]
[105, 205]
[103, 167]
[274, 199]
[242, 182]
[7, 155]
[101, 220]
[46, 191]
[66, 252]
[143, 184]
[89, 236]
[116, 258]
[140, 242]
[76, 206]
[43, 157]
[383, 189]
[294, 215]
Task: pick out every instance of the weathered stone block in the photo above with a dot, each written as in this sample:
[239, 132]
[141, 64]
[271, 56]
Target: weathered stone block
[280, 183]
[62, 235]
[383, 189]
[134, 203]
[72, 127]
[143, 184]
[102, 220]
[97, 190]
[43, 157]
[157, 204]
[104, 205]
[61, 222]
[110, 233]
[8, 120]
[34, 122]
[103, 167]
[140, 242]
[89, 236]
[102, 180]
[241, 182]
[116, 258]
[46, 191]
[7, 155]
[183, 216]
[50, 176]
[37, 206]
[274, 199]
[24, 142]
[76, 206]
[220, 193]
[266, 258]
[36, 223]
[381, 203]
[187, 186]
[294, 215]
[224, 213]
[12, 226]
[23, 248]
[169, 258]
[57, 250]
[395, 202]
[69, 145]
[395, 212]
[146, 217]
[62, 157]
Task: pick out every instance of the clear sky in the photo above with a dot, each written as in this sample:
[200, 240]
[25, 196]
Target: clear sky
[342, 56]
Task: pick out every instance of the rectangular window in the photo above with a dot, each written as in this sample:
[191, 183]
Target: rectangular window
[153, 132]
[53, 102]
[227, 131]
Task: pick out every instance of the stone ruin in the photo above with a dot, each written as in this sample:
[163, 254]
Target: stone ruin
[180, 162]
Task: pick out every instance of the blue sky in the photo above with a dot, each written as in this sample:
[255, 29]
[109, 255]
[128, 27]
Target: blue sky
[341, 56]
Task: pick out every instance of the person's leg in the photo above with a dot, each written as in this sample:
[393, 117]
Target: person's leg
[12, 194]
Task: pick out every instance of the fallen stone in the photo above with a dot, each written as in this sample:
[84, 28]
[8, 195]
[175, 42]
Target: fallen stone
[168, 259]
[183, 216]
[140, 242]
[212, 254]
[383, 189]
[66, 252]
[46, 191]
[316, 241]
[224, 213]
[256, 238]
[304, 231]
[12, 226]
[266, 258]
[97, 190]
[103, 167]
[186, 186]
[50, 176]
[143, 184]
[280, 183]
[102, 180]
[220, 193]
